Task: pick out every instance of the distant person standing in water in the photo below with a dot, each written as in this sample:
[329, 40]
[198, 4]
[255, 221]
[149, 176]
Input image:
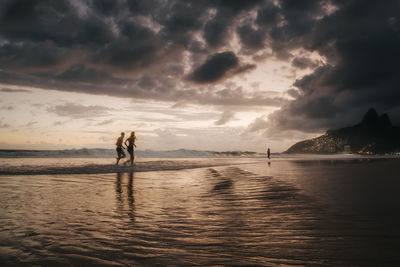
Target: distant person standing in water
[131, 143]
[119, 149]
[268, 153]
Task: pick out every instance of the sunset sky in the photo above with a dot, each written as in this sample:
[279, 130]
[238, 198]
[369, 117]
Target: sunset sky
[206, 75]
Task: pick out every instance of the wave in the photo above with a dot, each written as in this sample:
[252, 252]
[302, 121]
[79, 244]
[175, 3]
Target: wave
[106, 153]
[146, 166]
[84, 152]
[180, 153]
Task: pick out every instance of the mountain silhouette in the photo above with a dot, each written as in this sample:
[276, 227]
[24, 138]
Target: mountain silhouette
[375, 134]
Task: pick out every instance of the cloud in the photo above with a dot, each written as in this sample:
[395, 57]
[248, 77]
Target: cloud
[7, 107]
[57, 21]
[252, 39]
[362, 72]
[59, 123]
[158, 50]
[293, 92]
[126, 55]
[226, 116]
[303, 63]
[77, 111]
[31, 123]
[9, 90]
[258, 124]
[4, 125]
[215, 67]
[216, 31]
[29, 56]
[269, 15]
[105, 7]
[105, 122]
[120, 48]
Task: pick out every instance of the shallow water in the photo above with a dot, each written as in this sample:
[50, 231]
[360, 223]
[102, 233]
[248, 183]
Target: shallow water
[332, 213]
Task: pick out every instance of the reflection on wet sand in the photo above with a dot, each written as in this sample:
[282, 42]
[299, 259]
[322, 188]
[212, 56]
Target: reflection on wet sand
[124, 194]
[294, 213]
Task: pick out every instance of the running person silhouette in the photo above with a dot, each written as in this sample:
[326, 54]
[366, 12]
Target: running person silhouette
[131, 143]
[120, 151]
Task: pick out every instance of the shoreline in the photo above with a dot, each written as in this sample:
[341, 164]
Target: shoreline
[59, 167]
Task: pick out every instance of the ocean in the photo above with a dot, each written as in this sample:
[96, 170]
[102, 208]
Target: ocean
[309, 211]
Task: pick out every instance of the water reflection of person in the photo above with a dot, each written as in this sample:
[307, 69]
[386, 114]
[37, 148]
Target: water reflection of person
[118, 189]
[131, 198]
[122, 198]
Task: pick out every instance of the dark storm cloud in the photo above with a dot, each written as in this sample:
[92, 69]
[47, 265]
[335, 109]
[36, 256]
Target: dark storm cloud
[148, 49]
[9, 90]
[303, 63]
[215, 67]
[293, 92]
[361, 42]
[143, 7]
[300, 16]
[244, 68]
[106, 7]
[250, 38]
[120, 48]
[58, 21]
[180, 21]
[216, 31]
[126, 55]
[29, 55]
[80, 73]
[269, 15]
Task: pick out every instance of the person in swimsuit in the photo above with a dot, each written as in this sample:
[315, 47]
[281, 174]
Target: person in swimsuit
[268, 153]
[131, 143]
[119, 149]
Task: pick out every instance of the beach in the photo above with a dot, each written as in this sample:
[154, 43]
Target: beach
[206, 212]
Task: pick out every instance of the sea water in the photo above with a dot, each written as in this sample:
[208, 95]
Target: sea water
[303, 211]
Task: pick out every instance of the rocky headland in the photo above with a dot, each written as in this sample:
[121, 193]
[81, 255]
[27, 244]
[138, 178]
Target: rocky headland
[375, 134]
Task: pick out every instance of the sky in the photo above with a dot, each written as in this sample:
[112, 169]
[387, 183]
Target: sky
[207, 75]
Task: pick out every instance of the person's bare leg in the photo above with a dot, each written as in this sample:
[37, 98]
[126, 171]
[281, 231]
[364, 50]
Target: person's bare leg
[130, 157]
[120, 156]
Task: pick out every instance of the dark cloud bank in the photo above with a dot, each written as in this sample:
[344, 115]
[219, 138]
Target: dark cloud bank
[139, 49]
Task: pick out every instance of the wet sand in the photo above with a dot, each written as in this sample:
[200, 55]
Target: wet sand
[291, 212]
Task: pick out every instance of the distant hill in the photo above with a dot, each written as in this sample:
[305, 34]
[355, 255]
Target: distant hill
[373, 135]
